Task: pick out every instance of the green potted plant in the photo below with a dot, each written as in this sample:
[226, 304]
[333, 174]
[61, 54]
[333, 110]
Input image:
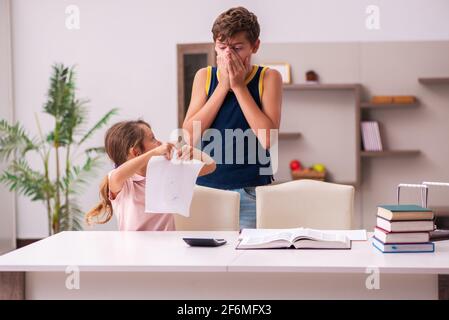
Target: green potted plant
[56, 186]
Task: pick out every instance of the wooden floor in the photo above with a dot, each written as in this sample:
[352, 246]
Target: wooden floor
[12, 285]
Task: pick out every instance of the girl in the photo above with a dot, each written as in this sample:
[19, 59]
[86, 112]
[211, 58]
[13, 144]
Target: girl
[130, 145]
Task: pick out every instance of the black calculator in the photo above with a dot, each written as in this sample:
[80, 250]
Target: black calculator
[204, 242]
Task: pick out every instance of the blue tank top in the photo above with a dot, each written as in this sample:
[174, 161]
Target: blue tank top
[239, 165]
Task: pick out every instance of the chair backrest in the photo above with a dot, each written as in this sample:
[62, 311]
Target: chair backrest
[305, 203]
[211, 209]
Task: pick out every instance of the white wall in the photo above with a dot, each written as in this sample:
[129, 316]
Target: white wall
[126, 53]
[7, 199]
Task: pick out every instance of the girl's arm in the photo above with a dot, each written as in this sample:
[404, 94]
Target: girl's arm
[130, 167]
[187, 152]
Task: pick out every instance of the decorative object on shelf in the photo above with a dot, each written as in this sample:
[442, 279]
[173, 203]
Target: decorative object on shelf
[295, 165]
[382, 99]
[312, 77]
[319, 167]
[315, 172]
[371, 136]
[404, 99]
[393, 99]
[283, 68]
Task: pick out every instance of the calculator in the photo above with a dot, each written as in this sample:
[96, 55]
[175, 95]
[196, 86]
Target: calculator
[204, 242]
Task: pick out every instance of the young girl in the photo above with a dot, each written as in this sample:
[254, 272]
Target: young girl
[130, 144]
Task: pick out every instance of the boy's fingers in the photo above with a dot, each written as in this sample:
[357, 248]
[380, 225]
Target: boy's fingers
[231, 67]
[237, 60]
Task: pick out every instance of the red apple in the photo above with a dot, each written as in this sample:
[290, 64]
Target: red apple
[295, 165]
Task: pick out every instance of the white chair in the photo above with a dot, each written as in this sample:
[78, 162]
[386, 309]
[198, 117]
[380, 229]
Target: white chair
[305, 203]
[211, 209]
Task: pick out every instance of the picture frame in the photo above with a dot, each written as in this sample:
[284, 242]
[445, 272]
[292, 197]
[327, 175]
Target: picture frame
[284, 68]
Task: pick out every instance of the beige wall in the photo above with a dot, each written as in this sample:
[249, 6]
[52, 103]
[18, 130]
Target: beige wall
[126, 54]
[382, 68]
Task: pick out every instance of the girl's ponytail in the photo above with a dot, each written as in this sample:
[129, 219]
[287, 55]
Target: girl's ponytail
[104, 208]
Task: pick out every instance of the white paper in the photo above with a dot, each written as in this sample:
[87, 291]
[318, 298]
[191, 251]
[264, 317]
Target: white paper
[170, 184]
[355, 235]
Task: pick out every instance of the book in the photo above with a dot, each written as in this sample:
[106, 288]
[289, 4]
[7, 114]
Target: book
[367, 140]
[403, 247]
[376, 130]
[371, 136]
[404, 212]
[405, 226]
[298, 238]
[401, 237]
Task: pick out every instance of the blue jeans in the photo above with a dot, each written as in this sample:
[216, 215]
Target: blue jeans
[247, 207]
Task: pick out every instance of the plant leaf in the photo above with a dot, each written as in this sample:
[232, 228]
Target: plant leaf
[102, 122]
[26, 181]
[14, 140]
[71, 217]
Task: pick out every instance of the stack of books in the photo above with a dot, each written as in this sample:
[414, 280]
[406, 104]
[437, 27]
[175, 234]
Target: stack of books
[371, 136]
[403, 228]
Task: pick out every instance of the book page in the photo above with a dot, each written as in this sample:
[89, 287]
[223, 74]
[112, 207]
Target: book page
[319, 235]
[278, 238]
[354, 235]
[170, 185]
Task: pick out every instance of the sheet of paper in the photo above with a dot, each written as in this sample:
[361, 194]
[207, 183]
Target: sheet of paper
[170, 185]
[355, 235]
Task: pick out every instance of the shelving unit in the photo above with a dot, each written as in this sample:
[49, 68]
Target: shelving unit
[354, 89]
[389, 153]
[387, 106]
[434, 80]
[366, 107]
[319, 86]
[289, 135]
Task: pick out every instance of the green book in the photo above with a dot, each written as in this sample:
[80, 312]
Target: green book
[404, 212]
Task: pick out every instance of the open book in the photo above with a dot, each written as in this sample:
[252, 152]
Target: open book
[299, 238]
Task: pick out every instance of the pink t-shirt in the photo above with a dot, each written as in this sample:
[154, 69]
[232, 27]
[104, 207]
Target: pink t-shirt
[129, 208]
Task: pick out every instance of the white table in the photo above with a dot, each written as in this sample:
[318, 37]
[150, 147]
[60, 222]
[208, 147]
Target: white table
[159, 265]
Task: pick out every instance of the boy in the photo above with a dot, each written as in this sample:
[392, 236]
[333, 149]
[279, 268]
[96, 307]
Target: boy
[237, 95]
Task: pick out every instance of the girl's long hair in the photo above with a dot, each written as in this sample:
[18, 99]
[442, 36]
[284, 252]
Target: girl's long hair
[119, 139]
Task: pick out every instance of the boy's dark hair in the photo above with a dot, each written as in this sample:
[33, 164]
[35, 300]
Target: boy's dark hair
[234, 21]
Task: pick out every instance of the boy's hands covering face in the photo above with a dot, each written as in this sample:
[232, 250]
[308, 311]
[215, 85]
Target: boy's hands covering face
[223, 71]
[238, 69]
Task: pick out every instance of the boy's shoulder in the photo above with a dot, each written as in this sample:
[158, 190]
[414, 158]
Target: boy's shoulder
[270, 72]
[202, 71]
[272, 76]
